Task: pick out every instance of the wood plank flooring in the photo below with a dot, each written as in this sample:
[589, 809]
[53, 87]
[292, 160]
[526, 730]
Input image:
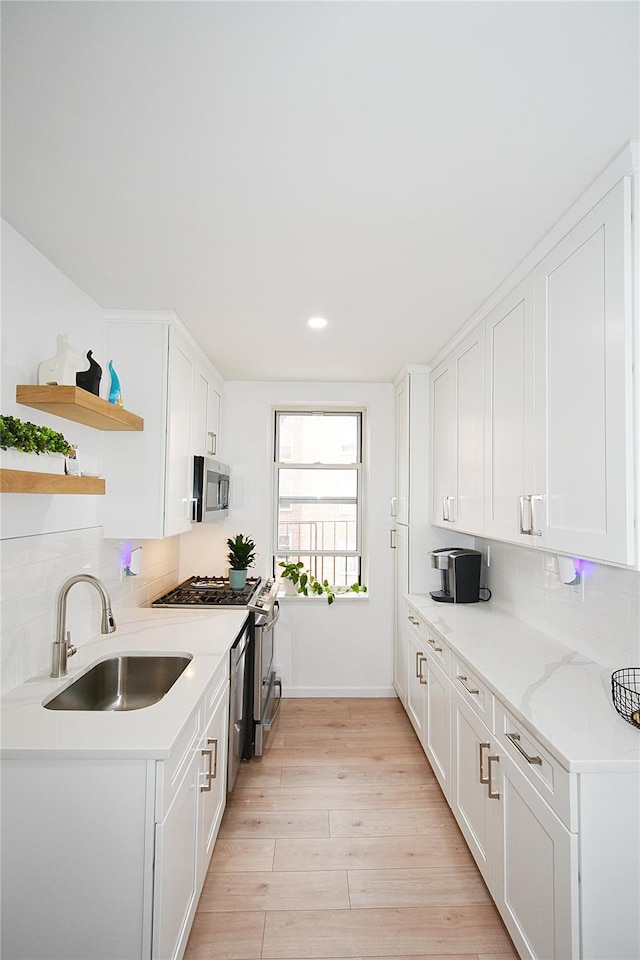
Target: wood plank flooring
[338, 843]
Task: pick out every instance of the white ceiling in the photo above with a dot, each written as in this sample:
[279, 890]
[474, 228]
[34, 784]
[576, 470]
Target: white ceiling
[383, 164]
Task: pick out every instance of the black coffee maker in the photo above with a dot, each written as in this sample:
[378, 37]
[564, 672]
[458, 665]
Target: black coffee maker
[460, 571]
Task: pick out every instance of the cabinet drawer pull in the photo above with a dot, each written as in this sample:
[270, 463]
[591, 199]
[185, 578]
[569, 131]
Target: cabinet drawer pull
[465, 683]
[212, 772]
[524, 529]
[483, 777]
[392, 539]
[213, 444]
[492, 793]
[434, 645]
[515, 740]
[413, 620]
[419, 658]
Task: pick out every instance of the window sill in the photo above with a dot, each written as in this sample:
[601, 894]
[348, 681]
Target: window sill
[298, 597]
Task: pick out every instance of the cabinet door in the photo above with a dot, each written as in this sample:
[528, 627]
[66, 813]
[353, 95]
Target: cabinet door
[443, 438]
[468, 507]
[583, 384]
[401, 652]
[537, 883]
[476, 812]
[179, 483]
[437, 742]
[509, 413]
[213, 782]
[175, 889]
[416, 685]
[206, 414]
[403, 398]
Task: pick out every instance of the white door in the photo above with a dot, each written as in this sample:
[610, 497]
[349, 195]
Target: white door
[212, 783]
[536, 890]
[403, 397]
[443, 441]
[437, 741]
[583, 384]
[477, 813]
[468, 507]
[509, 413]
[416, 685]
[179, 472]
[401, 652]
[174, 890]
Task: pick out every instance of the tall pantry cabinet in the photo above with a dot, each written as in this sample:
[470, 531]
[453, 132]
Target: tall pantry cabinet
[409, 506]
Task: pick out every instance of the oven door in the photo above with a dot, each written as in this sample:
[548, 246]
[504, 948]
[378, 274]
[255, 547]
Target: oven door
[267, 687]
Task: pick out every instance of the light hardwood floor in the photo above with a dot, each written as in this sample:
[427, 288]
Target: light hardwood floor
[338, 843]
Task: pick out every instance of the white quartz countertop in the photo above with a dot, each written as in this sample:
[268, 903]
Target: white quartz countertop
[28, 730]
[560, 695]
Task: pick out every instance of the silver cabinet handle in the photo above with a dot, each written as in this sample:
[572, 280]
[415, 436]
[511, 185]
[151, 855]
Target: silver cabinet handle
[413, 620]
[494, 795]
[451, 513]
[213, 444]
[419, 658]
[434, 645]
[483, 777]
[515, 740]
[465, 683]
[535, 498]
[392, 539]
[523, 529]
[212, 772]
[394, 506]
[445, 508]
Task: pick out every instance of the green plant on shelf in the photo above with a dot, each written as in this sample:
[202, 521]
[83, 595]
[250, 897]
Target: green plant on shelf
[27, 437]
[307, 584]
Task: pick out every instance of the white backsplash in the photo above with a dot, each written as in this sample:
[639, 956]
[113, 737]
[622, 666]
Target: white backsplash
[604, 626]
[33, 570]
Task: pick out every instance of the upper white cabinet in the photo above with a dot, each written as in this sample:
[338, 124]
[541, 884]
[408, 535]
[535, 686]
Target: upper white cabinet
[545, 385]
[164, 374]
[509, 413]
[457, 430]
[583, 387]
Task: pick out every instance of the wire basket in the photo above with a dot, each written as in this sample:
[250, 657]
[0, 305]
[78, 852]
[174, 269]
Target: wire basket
[625, 690]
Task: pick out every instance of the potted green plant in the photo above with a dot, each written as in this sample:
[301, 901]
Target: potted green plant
[306, 583]
[241, 556]
[21, 440]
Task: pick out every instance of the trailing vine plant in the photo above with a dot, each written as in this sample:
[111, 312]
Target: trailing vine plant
[306, 583]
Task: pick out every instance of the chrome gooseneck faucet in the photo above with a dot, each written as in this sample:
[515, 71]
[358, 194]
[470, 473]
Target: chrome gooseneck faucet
[62, 647]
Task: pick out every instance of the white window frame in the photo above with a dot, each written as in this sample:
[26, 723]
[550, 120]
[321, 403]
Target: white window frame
[359, 466]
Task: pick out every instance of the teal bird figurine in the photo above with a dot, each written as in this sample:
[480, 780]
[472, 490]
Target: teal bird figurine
[115, 394]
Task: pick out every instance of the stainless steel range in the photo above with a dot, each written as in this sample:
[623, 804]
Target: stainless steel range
[256, 692]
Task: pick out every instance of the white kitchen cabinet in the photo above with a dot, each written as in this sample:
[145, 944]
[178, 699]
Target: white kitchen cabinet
[475, 800]
[150, 478]
[509, 413]
[416, 684]
[583, 388]
[457, 431]
[105, 858]
[206, 412]
[437, 736]
[401, 651]
[537, 866]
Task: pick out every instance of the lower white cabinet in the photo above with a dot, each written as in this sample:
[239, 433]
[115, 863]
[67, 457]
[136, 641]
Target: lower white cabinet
[475, 798]
[105, 859]
[537, 870]
[416, 685]
[437, 737]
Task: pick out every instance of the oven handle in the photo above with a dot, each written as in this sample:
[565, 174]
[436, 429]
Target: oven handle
[269, 624]
[267, 724]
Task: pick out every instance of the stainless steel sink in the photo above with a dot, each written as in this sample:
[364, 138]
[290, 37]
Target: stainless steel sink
[121, 683]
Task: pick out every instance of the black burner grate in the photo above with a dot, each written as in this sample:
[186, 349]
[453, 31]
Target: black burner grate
[208, 592]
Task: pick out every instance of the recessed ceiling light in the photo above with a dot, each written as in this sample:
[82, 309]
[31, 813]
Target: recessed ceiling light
[317, 323]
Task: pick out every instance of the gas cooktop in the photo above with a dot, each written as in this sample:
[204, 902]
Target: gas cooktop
[208, 592]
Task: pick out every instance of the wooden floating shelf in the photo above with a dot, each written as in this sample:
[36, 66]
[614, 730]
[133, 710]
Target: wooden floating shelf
[25, 481]
[74, 403]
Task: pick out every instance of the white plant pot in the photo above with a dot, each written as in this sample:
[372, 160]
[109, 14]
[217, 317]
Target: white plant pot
[33, 462]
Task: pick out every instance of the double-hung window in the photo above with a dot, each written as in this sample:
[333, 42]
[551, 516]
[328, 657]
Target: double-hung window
[318, 492]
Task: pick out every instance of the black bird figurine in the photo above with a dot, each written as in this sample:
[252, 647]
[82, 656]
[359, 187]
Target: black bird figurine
[89, 379]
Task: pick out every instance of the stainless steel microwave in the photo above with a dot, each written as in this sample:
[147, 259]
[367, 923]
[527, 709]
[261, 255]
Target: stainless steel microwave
[210, 490]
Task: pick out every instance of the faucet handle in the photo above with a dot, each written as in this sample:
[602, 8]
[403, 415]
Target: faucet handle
[70, 647]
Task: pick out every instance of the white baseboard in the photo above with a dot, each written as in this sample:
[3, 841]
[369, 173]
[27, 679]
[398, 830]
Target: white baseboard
[336, 692]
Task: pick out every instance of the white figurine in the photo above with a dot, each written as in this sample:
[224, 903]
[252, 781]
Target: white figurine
[62, 368]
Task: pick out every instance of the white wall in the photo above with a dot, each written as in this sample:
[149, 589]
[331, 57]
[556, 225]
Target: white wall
[46, 539]
[345, 649]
